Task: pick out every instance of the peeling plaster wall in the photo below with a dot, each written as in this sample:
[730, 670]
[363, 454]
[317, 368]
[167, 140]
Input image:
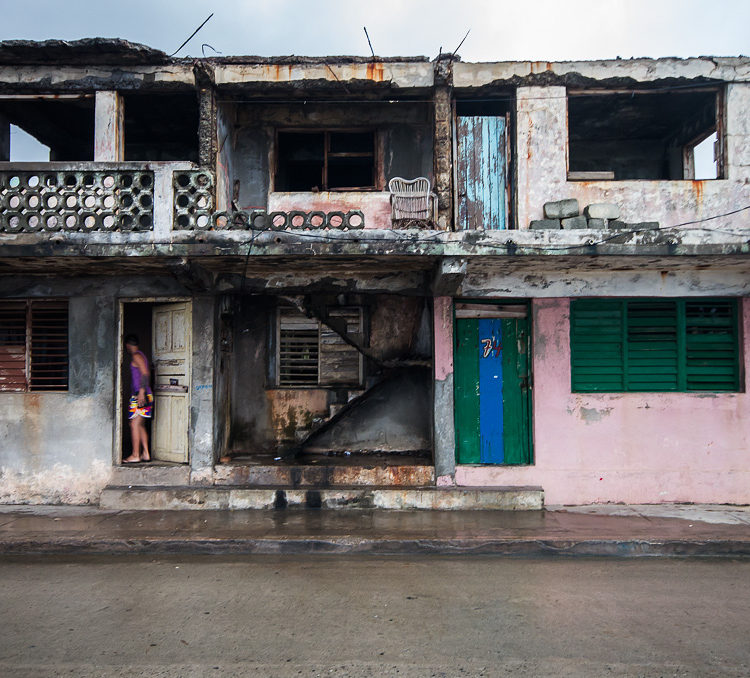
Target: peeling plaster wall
[633, 447]
[58, 447]
[542, 152]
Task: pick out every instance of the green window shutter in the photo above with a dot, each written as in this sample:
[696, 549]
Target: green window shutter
[652, 346]
[597, 346]
[712, 361]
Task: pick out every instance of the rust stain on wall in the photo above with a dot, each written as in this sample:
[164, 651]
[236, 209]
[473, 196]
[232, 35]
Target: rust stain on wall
[375, 71]
[698, 188]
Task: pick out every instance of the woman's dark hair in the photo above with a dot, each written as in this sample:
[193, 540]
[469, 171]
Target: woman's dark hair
[131, 339]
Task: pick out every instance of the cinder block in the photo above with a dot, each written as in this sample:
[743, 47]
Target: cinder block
[599, 224]
[546, 224]
[562, 209]
[575, 222]
[602, 210]
[644, 226]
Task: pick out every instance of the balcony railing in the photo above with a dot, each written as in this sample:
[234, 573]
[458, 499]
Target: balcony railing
[145, 200]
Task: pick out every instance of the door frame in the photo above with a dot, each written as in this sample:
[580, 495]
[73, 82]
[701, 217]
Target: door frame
[527, 303]
[120, 355]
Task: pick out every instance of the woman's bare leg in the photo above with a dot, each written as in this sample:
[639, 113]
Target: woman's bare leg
[145, 455]
[135, 439]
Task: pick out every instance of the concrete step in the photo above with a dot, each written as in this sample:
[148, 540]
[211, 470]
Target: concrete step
[151, 474]
[235, 498]
[323, 476]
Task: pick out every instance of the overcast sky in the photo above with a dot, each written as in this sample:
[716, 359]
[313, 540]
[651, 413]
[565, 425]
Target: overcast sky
[540, 30]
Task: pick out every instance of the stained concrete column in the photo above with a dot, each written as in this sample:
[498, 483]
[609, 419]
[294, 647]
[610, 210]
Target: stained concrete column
[108, 128]
[202, 410]
[443, 156]
[443, 422]
[4, 139]
[207, 115]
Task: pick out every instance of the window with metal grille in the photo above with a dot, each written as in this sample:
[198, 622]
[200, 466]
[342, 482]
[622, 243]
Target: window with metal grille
[654, 345]
[34, 345]
[311, 354]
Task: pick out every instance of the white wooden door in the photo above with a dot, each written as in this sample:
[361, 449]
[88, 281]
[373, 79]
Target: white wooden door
[171, 325]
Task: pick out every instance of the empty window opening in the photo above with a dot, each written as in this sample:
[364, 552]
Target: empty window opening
[34, 345]
[45, 129]
[25, 148]
[310, 354]
[704, 158]
[160, 126]
[643, 135]
[327, 160]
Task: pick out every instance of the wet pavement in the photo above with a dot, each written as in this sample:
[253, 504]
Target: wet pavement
[610, 530]
[353, 616]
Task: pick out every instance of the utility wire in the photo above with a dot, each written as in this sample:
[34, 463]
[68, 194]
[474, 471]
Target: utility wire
[348, 236]
[191, 36]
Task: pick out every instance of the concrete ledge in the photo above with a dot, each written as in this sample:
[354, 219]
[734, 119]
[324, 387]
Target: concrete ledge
[240, 498]
[322, 476]
[150, 474]
[621, 548]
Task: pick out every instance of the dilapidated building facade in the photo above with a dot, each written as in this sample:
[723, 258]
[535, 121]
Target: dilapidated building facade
[566, 317]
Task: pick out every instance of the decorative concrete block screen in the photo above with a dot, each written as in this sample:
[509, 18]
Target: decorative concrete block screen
[193, 200]
[261, 220]
[113, 200]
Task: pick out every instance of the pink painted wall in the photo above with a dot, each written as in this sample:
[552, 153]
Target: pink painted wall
[631, 447]
[375, 205]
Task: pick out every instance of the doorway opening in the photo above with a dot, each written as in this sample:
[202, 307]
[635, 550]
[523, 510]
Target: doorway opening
[163, 332]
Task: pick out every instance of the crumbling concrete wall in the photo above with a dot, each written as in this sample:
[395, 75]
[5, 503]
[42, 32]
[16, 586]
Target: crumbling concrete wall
[60, 447]
[542, 151]
[266, 418]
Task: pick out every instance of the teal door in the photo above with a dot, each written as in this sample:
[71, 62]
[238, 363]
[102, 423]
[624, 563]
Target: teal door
[492, 399]
[482, 172]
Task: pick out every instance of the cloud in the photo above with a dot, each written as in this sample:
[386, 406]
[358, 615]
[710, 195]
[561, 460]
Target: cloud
[500, 30]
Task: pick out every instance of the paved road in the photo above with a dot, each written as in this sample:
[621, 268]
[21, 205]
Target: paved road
[373, 616]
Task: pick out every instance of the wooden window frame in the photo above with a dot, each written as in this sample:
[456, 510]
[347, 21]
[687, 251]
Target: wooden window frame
[320, 381]
[599, 357]
[378, 175]
[33, 333]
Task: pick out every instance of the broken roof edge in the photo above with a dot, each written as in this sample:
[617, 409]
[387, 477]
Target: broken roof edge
[85, 50]
[312, 60]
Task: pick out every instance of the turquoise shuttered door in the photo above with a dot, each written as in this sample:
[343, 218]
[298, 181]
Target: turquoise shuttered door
[654, 345]
[482, 172]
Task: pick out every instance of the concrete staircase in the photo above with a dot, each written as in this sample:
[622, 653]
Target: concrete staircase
[235, 487]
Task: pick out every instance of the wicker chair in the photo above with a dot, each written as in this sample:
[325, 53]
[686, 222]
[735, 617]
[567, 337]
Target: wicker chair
[411, 199]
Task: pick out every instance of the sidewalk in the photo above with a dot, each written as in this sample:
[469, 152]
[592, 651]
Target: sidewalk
[607, 530]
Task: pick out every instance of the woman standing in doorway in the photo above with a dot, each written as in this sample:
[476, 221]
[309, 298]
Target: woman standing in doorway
[141, 401]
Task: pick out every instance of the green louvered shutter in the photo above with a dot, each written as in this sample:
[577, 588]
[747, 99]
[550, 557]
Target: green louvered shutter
[712, 361]
[652, 346]
[597, 348]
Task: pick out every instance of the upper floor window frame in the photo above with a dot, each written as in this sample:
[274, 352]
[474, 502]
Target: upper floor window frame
[688, 147]
[378, 175]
